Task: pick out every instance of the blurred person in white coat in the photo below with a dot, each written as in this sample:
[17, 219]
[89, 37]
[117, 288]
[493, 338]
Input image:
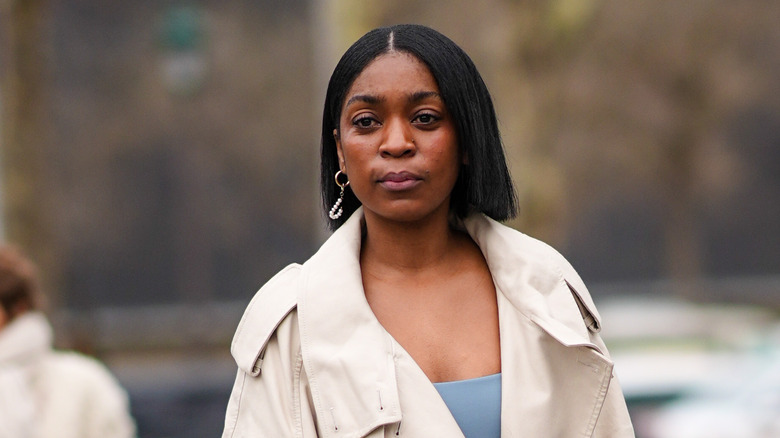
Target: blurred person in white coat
[46, 393]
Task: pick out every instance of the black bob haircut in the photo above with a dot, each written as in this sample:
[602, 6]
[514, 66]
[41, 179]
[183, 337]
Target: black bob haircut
[484, 184]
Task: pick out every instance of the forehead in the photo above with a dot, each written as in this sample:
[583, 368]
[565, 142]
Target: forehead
[393, 72]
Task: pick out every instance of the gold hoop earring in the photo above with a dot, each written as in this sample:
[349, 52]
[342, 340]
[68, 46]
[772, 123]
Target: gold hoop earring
[337, 209]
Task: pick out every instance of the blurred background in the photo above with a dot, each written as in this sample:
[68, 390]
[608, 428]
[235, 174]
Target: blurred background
[159, 161]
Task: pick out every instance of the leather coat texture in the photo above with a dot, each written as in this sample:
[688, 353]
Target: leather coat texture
[313, 360]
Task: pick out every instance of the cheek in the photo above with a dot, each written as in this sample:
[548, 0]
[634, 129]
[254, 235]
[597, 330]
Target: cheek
[356, 163]
[352, 156]
[447, 154]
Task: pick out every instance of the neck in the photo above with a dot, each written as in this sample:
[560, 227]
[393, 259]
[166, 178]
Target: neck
[407, 246]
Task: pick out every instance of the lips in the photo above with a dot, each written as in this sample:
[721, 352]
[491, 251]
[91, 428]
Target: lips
[398, 181]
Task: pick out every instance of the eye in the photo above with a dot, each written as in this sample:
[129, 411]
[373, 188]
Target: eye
[426, 119]
[364, 121]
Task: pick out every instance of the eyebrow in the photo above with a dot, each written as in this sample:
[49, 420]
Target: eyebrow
[367, 98]
[373, 100]
[422, 95]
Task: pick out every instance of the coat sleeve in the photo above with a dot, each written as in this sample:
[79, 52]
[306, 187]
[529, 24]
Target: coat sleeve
[270, 397]
[614, 421]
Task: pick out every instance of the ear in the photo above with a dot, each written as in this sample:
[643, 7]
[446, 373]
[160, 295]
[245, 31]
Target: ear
[339, 151]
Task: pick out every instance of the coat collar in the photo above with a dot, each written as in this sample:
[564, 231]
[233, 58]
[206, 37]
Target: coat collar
[536, 279]
[342, 341]
[25, 339]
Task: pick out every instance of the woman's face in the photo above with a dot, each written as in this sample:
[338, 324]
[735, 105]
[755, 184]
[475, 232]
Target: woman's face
[397, 142]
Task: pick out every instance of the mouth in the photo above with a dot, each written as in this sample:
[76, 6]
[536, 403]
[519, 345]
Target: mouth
[399, 181]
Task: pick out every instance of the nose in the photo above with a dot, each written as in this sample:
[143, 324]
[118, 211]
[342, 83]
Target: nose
[398, 141]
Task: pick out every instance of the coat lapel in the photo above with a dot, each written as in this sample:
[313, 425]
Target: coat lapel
[549, 356]
[346, 352]
[548, 388]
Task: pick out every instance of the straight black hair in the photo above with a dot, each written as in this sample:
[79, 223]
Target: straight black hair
[484, 183]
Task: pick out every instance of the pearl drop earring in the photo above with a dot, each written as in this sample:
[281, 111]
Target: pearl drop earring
[337, 209]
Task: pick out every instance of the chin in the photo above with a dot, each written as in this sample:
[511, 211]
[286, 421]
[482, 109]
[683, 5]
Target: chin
[408, 212]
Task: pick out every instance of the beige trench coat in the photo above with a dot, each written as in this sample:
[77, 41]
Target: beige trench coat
[315, 362]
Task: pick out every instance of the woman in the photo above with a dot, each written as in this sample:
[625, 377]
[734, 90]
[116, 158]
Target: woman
[46, 393]
[421, 316]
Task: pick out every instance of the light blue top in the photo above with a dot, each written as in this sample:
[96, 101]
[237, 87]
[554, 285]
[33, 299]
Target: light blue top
[475, 404]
